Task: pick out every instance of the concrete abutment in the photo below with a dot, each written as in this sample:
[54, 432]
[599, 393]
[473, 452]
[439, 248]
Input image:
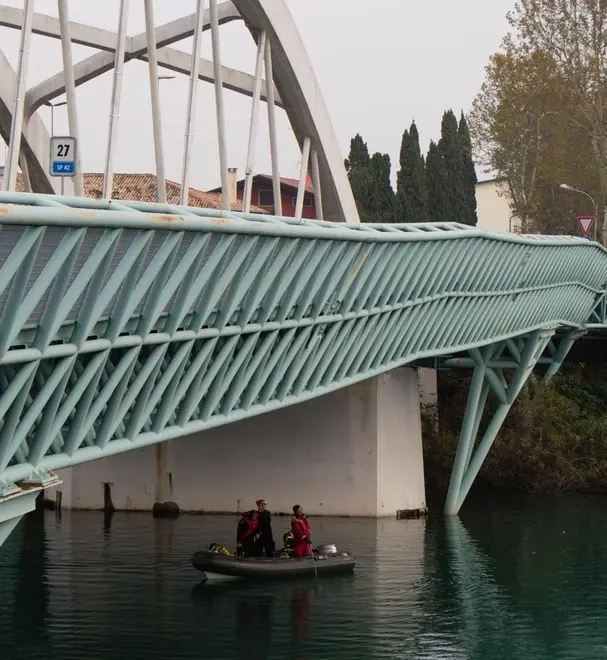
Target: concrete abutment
[353, 452]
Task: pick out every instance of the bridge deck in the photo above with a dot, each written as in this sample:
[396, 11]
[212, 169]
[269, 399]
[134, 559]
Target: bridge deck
[124, 324]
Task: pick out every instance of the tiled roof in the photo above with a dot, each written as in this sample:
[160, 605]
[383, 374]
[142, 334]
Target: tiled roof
[294, 182]
[142, 188]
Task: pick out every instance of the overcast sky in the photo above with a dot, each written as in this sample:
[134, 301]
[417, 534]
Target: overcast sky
[380, 64]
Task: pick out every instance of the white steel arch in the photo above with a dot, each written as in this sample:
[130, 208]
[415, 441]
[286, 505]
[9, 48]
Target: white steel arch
[282, 55]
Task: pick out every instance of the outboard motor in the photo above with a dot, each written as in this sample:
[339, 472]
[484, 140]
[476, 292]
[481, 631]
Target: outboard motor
[327, 549]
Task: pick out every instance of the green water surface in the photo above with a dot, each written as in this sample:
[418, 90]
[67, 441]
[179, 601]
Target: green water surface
[518, 577]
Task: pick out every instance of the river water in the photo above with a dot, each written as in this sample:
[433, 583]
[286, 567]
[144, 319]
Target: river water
[516, 577]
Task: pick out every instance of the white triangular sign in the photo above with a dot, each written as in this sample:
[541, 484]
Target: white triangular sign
[586, 224]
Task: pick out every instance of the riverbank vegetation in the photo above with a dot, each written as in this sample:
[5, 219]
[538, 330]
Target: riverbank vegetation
[553, 440]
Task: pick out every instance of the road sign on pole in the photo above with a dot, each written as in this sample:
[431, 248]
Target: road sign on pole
[585, 222]
[63, 156]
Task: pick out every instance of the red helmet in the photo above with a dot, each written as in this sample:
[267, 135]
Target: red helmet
[260, 502]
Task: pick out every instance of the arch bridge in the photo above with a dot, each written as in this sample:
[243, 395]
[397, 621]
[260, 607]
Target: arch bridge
[127, 323]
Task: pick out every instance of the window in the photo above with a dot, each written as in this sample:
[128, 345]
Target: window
[308, 199]
[266, 198]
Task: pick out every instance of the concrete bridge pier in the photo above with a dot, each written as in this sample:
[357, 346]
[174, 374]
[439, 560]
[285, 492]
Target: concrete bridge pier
[353, 452]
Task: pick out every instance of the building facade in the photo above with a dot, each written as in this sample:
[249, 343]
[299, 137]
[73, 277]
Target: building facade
[262, 194]
[493, 208]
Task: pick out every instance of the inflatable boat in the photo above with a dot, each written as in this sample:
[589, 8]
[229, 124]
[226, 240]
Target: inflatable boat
[217, 564]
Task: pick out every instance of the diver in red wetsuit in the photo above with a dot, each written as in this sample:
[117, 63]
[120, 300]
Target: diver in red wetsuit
[300, 527]
[247, 535]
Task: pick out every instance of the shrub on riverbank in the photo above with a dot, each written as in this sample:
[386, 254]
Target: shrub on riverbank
[554, 438]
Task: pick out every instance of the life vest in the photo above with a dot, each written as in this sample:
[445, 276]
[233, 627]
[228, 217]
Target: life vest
[247, 527]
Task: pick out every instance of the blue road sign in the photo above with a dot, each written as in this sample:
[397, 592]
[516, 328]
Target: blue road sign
[64, 167]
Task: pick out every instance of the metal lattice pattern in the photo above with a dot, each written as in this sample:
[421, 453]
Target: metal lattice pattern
[122, 328]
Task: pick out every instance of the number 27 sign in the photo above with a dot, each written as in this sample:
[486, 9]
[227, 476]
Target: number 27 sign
[63, 156]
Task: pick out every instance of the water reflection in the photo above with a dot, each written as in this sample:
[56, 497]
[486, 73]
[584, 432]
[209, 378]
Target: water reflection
[108, 516]
[547, 557]
[28, 583]
[525, 582]
[485, 619]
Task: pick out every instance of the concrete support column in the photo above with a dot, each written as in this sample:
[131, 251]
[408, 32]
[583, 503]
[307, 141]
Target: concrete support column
[428, 386]
[353, 452]
[400, 462]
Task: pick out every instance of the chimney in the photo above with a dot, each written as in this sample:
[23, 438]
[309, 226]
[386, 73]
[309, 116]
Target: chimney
[232, 187]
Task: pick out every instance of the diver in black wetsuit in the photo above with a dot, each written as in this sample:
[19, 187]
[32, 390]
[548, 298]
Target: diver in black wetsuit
[266, 540]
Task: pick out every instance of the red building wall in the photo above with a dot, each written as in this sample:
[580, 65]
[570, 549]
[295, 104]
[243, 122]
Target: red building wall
[289, 195]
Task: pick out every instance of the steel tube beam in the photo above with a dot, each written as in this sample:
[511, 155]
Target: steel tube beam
[317, 184]
[150, 33]
[108, 178]
[191, 109]
[70, 92]
[272, 128]
[466, 441]
[303, 177]
[14, 144]
[248, 182]
[221, 122]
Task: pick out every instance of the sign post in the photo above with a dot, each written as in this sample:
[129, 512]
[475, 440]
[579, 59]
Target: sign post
[63, 157]
[586, 222]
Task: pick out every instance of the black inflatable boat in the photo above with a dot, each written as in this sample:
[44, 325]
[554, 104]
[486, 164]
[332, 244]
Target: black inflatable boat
[325, 561]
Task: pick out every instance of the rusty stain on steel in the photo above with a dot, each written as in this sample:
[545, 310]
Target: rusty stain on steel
[220, 221]
[166, 217]
[87, 213]
[357, 265]
[4, 209]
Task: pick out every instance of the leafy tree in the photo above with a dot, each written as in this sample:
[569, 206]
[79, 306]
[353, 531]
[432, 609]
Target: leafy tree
[411, 195]
[439, 209]
[521, 130]
[506, 127]
[569, 38]
[468, 173]
[451, 154]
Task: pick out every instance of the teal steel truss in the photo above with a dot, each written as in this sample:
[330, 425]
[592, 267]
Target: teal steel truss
[127, 324]
[491, 364]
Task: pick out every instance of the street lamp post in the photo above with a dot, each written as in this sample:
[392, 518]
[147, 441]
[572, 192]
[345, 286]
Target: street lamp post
[566, 186]
[52, 106]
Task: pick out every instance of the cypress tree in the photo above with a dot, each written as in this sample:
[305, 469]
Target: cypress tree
[411, 196]
[436, 186]
[451, 155]
[468, 173]
[370, 181]
[358, 169]
[382, 195]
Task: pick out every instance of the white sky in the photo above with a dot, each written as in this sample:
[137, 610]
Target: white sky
[380, 64]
